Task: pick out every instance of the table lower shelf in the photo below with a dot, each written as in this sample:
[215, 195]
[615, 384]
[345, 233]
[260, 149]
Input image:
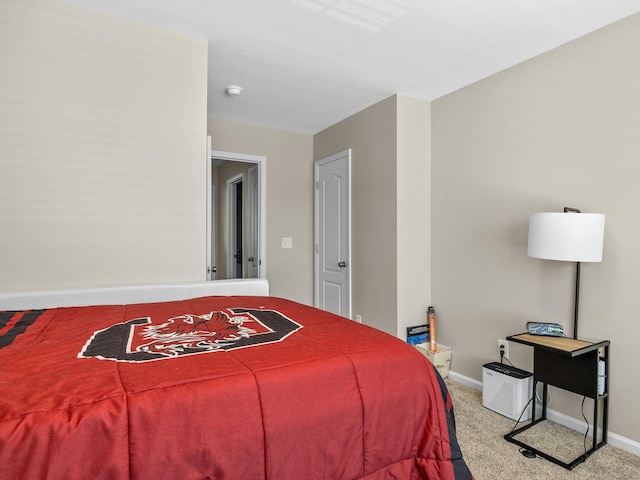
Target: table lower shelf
[511, 437]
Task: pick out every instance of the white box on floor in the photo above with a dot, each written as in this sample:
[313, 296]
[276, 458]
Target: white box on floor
[441, 358]
[507, 390]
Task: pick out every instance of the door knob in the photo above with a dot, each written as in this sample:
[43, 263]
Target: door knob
[342, 264]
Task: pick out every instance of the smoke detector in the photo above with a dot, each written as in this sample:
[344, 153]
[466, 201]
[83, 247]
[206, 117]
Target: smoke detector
[233, 90]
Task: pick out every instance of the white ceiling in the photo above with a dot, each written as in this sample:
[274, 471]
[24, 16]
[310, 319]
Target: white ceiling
[307, 64]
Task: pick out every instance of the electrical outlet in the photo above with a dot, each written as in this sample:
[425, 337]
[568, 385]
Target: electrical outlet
[358, 319]
[503, 344]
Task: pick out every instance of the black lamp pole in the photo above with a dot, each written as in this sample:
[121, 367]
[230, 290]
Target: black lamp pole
[577, 300]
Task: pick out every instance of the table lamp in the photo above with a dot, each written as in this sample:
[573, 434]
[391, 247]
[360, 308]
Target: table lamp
[569, 236]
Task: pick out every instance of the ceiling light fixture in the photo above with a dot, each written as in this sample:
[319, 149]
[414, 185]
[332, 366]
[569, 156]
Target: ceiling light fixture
[233, 90]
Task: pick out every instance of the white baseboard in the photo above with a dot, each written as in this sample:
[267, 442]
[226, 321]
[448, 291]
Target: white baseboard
[467, 381]
[578, 425]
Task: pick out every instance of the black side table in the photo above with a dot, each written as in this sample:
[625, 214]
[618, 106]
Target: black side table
[571, 365]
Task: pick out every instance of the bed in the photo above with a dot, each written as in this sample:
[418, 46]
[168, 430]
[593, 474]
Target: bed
[212, 380]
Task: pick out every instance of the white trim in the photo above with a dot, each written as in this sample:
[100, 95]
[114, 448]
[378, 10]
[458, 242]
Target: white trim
[578, 425]
[253, 233]
[209, 236]
[467, 381]
[624, 443]
[212, 242]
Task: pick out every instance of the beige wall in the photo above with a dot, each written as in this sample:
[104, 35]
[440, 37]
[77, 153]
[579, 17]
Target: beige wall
[414, 212]
[559, 130]
[289, 200]
[103, 135]
[389, 144]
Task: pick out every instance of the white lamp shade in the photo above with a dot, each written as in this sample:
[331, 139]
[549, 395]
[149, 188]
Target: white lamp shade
[570, 237]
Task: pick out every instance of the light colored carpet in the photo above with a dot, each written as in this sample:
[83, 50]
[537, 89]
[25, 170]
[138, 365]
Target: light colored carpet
[490, 457]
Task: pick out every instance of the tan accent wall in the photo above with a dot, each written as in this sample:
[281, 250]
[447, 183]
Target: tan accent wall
[559, 130]
[389, 144]
[371, 135]
[102, 141]
[289, 200]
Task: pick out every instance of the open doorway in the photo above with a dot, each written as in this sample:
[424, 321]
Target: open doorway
[236, 228]
[235, 215]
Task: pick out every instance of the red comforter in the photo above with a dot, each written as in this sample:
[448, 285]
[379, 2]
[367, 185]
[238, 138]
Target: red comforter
[217, 388]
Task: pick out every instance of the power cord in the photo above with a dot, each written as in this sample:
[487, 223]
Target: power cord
[521, 414]
[586, 434]
[529, 453]
[524, 451]
[503, 358]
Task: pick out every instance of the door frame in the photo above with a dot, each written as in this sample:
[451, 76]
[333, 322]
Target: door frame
[316, 234]
[212, 228]
[210, 273]
[253, 234]
[261, 162]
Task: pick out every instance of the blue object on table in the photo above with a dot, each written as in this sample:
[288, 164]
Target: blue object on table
[550, 329]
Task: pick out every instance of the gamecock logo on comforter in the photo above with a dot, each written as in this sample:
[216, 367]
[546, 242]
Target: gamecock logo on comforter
[140, 340]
